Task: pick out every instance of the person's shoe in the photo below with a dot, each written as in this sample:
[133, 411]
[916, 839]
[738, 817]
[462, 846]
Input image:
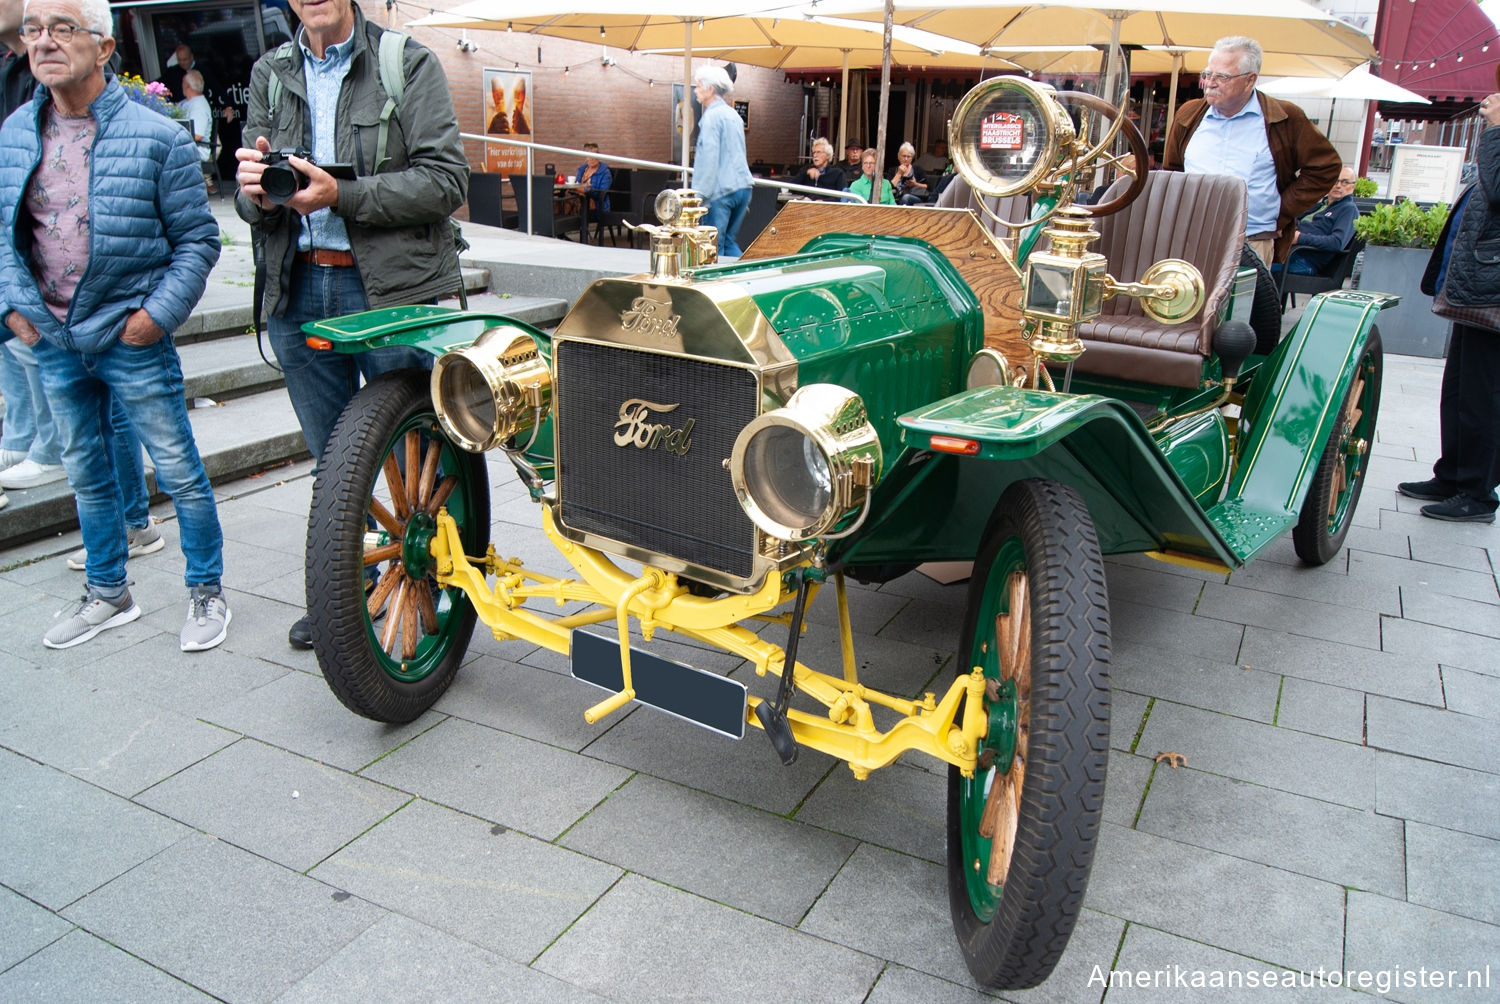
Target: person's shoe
[10, 458]
[3, 500]
[300, 636]
[1461, 509]
[1431, 490]
[30, 474]
[139, 540]
[93, 614]
[207, 619]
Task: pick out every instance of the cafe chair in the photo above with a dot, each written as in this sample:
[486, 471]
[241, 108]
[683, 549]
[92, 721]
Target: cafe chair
[545, 222]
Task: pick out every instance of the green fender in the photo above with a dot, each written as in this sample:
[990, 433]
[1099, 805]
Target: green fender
[426, 327]
[1096, 444]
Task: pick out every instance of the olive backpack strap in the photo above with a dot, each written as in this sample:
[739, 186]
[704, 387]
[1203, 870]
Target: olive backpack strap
[393, 80]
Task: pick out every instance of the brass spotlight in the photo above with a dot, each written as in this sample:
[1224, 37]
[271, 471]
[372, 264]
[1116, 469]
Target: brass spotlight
[493, 390]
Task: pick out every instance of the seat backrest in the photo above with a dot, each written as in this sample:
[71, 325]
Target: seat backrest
[1343, 265]
[958, 195]
[540, 203]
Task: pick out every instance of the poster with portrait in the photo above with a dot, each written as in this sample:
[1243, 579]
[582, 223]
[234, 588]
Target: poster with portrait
[508, 111]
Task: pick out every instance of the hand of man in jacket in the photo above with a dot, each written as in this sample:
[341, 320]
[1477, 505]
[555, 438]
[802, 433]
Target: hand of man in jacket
[321, 192]
[140, 331]
[22, 328]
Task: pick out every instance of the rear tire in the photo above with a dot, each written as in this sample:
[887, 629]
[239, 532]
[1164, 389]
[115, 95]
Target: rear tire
[1328, 510]
[387, 464]
[1015, 893]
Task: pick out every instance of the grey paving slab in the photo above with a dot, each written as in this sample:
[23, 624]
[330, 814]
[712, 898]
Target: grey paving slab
[286, 489]
[1403, 939]
[298, 712]
[1136, 623]
[528, 785]
[1156, 966]
[1319, 583]
[1297, 922]
[25, 626]
[646, 941]
[1436, 793]
[1127, 716]
[25, 927]
[1420, 528]
[1195, 681]
[476, 880]
[714, 848]
[260, 628]
[1349, 847]
[892, 906]
[1439, 578]
[1434, 734]
[899, 985]
[901, 807]
[1262, 754]
[64, 837]
[930, 624]
[1376, 541]
[1442, 867]
[228, 922]
[920, 586]
[1167, 567]
[1296, 615]
[1095, 940]
[1335, 712]
[81, 967]
[1153, 586]
[1125, 781]
[1470, 616]
[400, 959]
[1457, 554]
[746, 770]
[1472, 693]
[885, 663]
[288, 808]
[870, 610]
[261, 526]
[525, 700]
[100, 737]
[1407, 677]
[289, 588]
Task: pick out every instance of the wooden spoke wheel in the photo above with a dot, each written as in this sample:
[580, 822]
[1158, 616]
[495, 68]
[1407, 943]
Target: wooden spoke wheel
[1328, 510]
[1021, 831]
[389, 639]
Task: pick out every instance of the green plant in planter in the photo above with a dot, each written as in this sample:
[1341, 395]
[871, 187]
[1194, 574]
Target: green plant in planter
[1364, 188]
[1402, 225]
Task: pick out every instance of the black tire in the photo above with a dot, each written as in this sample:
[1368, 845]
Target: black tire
[394, 668]
[1040, 548]
[1328, 510]
[1265, 306]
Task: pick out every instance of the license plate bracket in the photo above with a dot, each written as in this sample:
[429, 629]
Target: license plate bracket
[706, 699]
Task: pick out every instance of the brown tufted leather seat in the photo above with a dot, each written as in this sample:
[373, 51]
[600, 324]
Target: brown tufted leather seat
[1197, 217]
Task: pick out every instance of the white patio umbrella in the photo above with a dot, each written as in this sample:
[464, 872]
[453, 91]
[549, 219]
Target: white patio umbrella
[1358, 84]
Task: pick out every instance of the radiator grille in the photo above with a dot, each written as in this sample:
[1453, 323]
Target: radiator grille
[681, 505]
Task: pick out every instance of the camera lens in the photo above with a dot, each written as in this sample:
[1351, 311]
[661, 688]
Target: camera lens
[279, 182]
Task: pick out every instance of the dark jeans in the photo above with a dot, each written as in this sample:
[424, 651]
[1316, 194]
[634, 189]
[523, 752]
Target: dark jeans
[727, 213]
[321, 382]
[1469, 411]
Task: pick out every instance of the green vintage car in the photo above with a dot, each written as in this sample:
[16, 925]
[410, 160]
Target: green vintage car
[709, 447]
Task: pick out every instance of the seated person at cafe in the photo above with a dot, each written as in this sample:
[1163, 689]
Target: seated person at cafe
[909, 180]
[1326, 231]
[854, 150]
[865, 183]
[821, 173]
[597, 177]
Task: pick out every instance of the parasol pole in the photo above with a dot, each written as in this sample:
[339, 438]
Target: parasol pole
[1116, 54]
[885, 98]
[844, 108]
[1172, 94]
[687, 102]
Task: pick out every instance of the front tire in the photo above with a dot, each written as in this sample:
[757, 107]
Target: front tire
[1021, 832]
[388, 639]
[1328, 510]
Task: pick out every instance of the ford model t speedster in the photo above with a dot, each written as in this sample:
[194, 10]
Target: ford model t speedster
[713, 448]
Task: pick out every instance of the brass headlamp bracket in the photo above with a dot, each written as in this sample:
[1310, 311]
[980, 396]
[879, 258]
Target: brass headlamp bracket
[680, 241]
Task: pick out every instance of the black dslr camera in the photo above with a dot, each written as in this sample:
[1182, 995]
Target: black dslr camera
[280, 180]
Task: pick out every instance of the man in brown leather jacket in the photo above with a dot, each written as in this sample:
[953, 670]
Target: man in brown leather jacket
[1287, 164]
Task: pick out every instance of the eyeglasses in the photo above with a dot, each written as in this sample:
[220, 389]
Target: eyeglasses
[1344, 181]
[1213, 77]
[62, 32]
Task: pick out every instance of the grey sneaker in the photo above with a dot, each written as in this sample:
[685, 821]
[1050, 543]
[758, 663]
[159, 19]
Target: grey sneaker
[139, 540]
[207, 619]
[93, 614]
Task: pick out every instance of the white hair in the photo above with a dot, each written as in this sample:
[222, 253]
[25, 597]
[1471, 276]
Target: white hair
[821, 143]
[96, 16]
[906, 148]
[715, 77]
[1248, 50]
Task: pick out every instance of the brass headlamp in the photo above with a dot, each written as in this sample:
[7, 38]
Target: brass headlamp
[1064, 286]
[493, 390]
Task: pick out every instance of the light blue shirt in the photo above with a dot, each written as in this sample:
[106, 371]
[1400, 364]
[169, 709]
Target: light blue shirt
[719, 165]
[324, 78]
[1237, 145]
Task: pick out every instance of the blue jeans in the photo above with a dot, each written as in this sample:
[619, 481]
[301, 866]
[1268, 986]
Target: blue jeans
[130, 473]
[320, 382]
[20, 419]
[147, 382]
[727, 214]
[46, 447]
[1299, 265]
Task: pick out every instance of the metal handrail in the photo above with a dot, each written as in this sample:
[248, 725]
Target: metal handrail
[682, 169]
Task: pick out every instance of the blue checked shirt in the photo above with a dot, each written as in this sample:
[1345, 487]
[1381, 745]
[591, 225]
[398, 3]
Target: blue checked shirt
[325, 77]
[1238, 146]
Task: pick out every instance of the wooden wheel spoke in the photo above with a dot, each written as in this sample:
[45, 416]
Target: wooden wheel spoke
[385, 519]
[409, 620]
[440, 497]
[428, 608]
[397, 488]
[376, 600]
[385, 552]
[393, 619]
[1008, 816]
[429, 473]
[1020, 606]
[413, 466]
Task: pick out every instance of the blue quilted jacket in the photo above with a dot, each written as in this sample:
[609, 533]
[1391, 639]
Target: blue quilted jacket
[152, 237]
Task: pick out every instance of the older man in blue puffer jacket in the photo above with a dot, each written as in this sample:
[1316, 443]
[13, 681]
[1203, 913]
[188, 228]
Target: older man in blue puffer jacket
[107, 245]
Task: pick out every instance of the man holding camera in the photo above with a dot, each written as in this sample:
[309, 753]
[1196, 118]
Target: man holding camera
[378, 235]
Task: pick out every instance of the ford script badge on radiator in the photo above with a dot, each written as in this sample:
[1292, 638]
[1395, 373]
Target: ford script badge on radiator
[647, 316]
[635, 428]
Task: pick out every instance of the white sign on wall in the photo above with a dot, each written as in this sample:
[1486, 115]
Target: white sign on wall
[1426, 173]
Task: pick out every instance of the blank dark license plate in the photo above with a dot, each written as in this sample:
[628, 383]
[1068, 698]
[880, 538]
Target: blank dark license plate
[715, 702]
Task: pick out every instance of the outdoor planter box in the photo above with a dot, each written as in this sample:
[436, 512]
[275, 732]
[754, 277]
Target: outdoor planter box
[1411, 329]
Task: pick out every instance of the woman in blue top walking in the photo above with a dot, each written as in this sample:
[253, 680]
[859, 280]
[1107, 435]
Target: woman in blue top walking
[721, 174]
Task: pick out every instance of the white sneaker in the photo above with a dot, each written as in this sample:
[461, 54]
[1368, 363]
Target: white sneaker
[139, 540]
[30, 474]
[208, 619]
[92, 614]
[3, 500]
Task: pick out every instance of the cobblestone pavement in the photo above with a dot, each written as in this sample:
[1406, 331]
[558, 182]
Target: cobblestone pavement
[216, 825]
